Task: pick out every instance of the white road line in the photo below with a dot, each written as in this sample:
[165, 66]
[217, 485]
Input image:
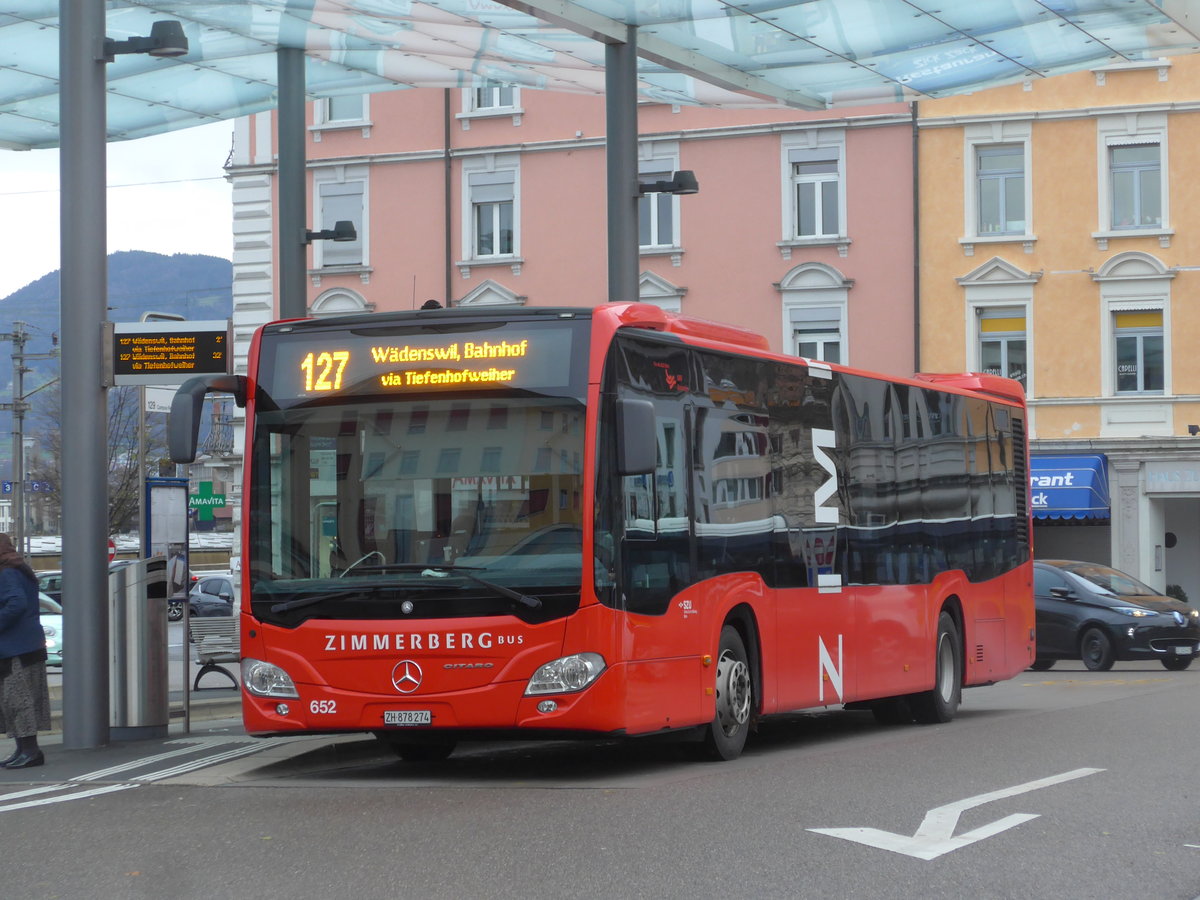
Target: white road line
[201, 763]
[245, 746]
[62, 798]
[139, 763]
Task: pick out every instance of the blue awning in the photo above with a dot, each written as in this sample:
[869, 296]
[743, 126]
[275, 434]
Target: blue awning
[1069, 487]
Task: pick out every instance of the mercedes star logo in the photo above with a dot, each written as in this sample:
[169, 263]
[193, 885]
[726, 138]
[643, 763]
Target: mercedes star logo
[406, 676]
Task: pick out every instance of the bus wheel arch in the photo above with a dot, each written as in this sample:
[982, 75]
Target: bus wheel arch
[940, 703]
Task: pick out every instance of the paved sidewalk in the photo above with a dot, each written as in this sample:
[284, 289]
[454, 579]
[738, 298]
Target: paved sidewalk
[206, 705]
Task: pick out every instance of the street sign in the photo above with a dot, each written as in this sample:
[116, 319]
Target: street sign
[35, 487]
[160, 353]
[204, 501]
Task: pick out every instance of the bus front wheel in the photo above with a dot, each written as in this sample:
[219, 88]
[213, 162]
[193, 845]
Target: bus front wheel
[726, 734]
[940, 704]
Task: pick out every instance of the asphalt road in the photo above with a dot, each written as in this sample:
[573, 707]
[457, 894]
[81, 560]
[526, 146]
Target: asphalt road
[1058, 784]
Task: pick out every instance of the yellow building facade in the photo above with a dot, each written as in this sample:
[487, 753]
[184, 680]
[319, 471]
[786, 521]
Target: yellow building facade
[1059, 244]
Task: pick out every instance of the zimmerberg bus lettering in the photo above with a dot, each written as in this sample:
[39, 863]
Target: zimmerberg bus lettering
[446, 640]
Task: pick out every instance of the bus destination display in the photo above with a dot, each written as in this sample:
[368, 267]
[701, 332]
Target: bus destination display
[168, 352]
[313, 366]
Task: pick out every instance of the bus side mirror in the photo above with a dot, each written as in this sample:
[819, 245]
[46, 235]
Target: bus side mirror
[637, 452]
[183, 422]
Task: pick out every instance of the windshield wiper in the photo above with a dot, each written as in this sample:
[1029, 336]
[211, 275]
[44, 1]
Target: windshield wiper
[523, 599]
[442, 570]
[312, 600]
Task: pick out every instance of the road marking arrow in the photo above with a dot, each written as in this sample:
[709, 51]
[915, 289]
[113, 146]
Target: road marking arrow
[936, 835]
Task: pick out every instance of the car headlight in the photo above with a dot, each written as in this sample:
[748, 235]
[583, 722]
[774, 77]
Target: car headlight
[1136, 611]
[566, 674]
[267, 680]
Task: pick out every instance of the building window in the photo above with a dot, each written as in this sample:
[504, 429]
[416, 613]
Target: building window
[343, 108]
[816, 192]
[493, 95]
[1135, 173]
[490, 461]
[493, 220]
[1002, 344]
[336, 202]
[1138, 351]
[818, 340]
[460, 414]
[1000, 173]
[447, 463]
[815, 300]
[409, 462]
[656, 212]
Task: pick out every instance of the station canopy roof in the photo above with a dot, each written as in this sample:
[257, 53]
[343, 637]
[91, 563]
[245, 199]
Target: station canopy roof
[807, 54]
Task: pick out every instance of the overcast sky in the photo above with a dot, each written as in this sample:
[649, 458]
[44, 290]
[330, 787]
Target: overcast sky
[166, 194]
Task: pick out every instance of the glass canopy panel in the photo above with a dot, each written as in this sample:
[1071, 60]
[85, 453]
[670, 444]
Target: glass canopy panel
[718, 52]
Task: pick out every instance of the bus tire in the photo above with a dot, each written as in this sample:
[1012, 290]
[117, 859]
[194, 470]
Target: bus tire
[430, 750]
[725, 736]
[1043, 665]
[939, 705]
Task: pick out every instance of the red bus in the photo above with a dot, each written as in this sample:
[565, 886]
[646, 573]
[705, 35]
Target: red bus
[463, 523]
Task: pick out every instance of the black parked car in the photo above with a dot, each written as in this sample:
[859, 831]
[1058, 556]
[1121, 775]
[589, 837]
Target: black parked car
[1092, 612]
[211, 595]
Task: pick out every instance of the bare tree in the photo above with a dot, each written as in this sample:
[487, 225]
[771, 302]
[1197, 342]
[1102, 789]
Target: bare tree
[122, 454]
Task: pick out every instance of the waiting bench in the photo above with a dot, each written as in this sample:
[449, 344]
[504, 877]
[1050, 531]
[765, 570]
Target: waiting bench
[216, 640]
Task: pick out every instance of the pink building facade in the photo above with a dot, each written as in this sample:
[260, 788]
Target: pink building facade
[802, 229]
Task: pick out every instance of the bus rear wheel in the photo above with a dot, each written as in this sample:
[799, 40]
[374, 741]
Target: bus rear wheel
[940, 704]
[725, 736]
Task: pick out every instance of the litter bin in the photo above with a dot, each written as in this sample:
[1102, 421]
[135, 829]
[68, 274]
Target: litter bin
[139, 697]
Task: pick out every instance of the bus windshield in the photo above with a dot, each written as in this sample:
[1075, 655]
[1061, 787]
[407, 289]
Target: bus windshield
[372, 504]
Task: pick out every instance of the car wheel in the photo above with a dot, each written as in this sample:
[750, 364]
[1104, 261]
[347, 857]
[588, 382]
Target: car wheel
[434, 749]
[174, 611]
[940, 704]
[725, 736]
[1176, 663]
[1096, 650]
[1041, 665]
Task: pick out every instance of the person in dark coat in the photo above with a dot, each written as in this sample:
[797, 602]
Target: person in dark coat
[24, 690]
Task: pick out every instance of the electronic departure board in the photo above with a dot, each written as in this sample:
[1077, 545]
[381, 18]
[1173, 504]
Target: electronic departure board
[168, 352]
[311, 365]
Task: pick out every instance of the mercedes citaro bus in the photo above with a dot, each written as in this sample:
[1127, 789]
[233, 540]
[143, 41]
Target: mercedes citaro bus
[506, 523]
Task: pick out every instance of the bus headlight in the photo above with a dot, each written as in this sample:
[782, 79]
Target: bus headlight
[566, 675]
[265, 680]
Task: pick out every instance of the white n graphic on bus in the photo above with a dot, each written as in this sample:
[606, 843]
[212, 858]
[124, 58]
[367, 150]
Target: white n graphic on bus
[823, 439]
[826, 668]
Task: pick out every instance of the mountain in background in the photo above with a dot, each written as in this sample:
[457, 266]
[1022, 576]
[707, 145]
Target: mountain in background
[190, 285]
